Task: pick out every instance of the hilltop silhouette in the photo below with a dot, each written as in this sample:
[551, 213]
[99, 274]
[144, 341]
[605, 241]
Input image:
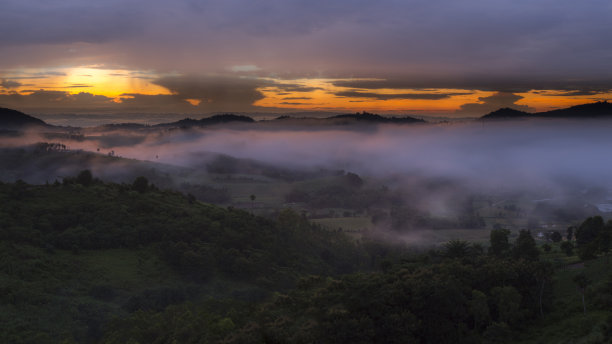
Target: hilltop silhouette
[506, 113]
[216, 119]
[13, 119]
[598, 109]
[591, 110]
[374, 118]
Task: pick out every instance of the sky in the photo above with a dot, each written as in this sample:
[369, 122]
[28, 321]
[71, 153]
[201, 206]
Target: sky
[430, 57]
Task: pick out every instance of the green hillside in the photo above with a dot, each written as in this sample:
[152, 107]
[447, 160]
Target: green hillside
[77, 254]
[85, 261]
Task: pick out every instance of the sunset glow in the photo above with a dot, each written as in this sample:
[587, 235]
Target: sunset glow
[315, 94]
[111, 83]
[389, 57]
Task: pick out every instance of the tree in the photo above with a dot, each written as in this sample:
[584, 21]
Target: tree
[141, 184]
[556, 236]
[582, 281]
[568, 248]
[353, 180]
[587, 237]
[525, 246]
[84, 178]
[479, 309]
[457, 249]
[499, 242]
[508, 302]
[543, 273]
[604, 238]
[570, 232]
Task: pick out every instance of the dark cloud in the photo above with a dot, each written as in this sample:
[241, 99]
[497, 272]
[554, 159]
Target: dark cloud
[9, 84]
[287, 88]
[56, 101]
[581, 93]
[492, 103]
[24, 22]
[61, 101]
[388, 96]
[217, 93]
[297, 98]
[37, 75]
[155, 103]
[500, 45]
[496, 84]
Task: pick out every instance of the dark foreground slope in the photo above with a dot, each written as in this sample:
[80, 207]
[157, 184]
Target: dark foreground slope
[85, 261]
[78, 254]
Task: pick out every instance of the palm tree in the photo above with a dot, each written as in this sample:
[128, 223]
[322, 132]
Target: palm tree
[457, 248]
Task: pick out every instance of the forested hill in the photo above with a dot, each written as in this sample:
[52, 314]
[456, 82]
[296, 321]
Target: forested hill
[74, 255]
[83, 213]
[85, 261]
[216, 119]
[366, 117]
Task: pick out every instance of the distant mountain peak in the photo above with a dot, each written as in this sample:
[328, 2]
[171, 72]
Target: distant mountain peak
[374, 118]
[506, 113]
[216, 119]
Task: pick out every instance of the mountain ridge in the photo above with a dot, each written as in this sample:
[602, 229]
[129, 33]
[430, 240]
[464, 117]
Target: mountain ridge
[598, 109]
[13, 119]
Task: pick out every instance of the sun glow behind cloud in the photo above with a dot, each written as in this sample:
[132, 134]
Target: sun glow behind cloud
[122, 86]
[544, 100]
[111, 83]
[322, 94]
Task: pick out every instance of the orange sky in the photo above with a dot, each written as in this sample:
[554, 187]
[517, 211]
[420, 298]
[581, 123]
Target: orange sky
[306, 94]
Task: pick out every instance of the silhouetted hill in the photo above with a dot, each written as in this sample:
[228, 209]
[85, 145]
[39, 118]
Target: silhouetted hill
[598, 109]
[13, 119]
[363, 118]
[591, 110]
[216, 119]
[129, 126]
[505, 113]
[374, 118]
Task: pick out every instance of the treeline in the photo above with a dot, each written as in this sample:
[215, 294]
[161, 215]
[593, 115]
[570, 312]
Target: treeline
[345, 190]
[51, 290]
[191, 272]
[593, 237]
[458, 294]
[83, 213]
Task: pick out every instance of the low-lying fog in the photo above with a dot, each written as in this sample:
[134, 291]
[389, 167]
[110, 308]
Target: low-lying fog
[555, 157]
[494, 154]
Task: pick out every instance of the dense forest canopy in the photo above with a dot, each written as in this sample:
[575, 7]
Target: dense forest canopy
[88, 261]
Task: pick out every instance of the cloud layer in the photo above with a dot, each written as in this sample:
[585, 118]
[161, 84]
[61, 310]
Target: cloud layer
[491, 43]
